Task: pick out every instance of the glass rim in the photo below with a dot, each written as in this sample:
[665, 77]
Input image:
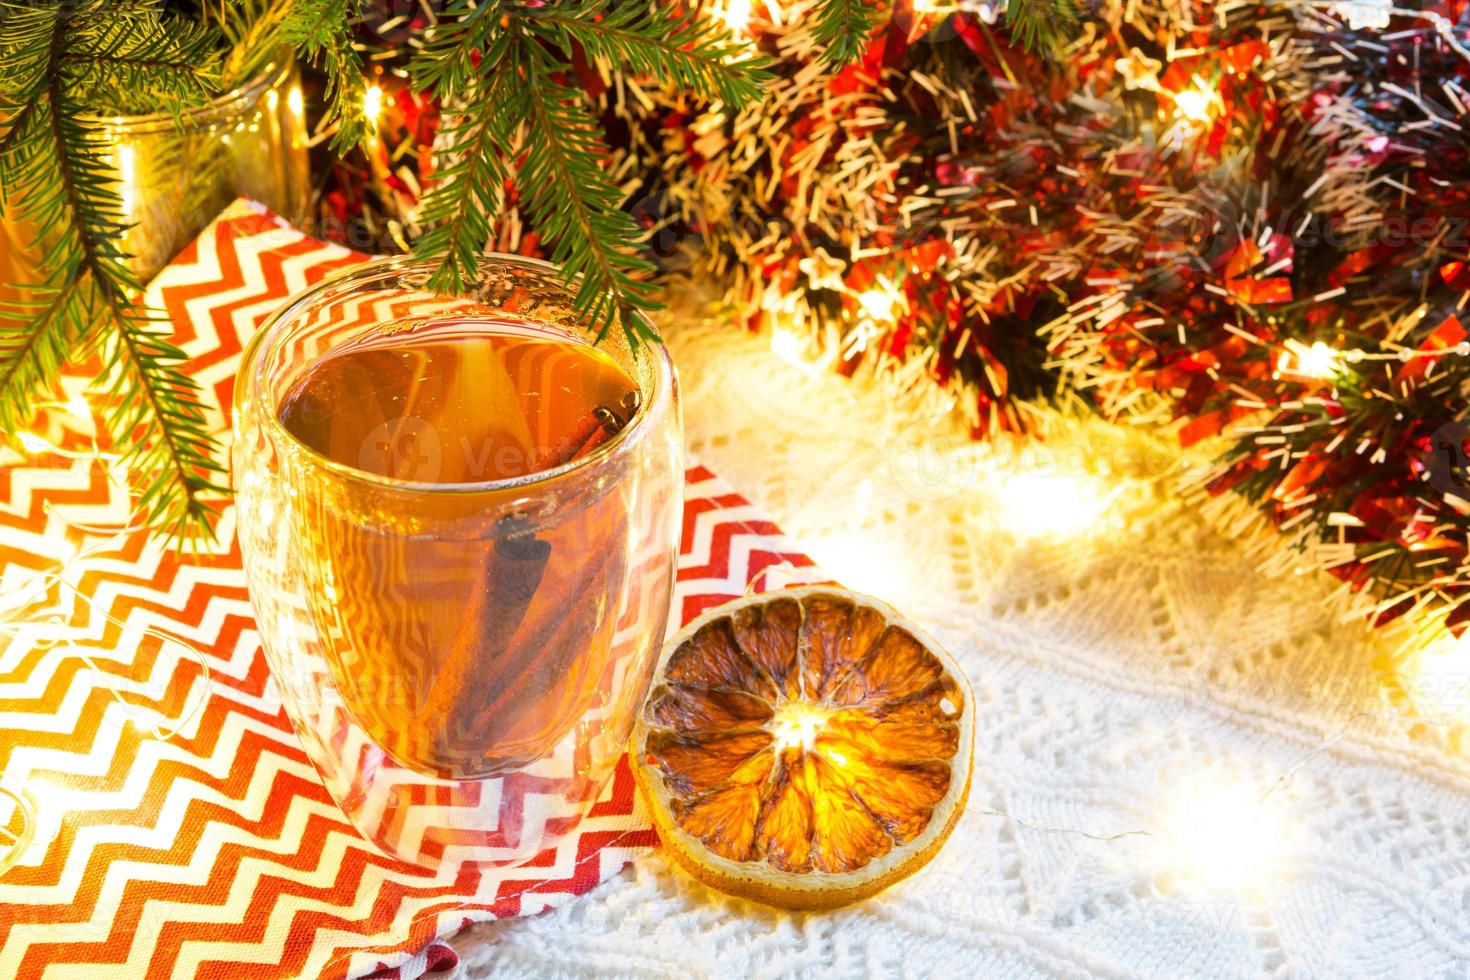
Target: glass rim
[275, 71]
[252, 363]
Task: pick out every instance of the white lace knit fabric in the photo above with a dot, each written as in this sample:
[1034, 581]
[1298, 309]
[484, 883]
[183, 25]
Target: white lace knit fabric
[1183, 767]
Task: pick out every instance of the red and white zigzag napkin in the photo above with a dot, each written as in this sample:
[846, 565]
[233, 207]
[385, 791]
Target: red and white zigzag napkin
[165, 821]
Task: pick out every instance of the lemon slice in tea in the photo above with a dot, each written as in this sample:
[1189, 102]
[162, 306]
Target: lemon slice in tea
[805, 748]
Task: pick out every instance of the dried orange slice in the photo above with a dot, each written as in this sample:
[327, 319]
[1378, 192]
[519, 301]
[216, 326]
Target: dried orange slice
[805, 748]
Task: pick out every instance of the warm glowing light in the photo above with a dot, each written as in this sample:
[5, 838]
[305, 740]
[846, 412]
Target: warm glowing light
[734, 14]
[372, 104]
[786, 344]
[1196, 102]
[881, 302]
[78, 407]
[1439, 680]
[867, 565]
[33, 443]
[1317, 361]
[1224, 833]
[1053, 503]
[62, 549]
[294, 101]
[797, 724]
[127, 174]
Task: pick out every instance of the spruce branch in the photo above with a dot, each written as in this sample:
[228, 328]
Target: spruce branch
[842, 28]
[321, 31]
[155, 405]
[252, 29]
[55, 163]
[503, 66]
[449, 62]
[683, 50]
[128, 62]
[37, 335]
[470, 188]
[1042, 25]
[572, 197]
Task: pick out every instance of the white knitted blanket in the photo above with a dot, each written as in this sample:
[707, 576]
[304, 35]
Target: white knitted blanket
[1184, 767]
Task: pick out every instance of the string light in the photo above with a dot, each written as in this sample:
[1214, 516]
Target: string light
[787, 345]
[1439, 681]
[64, 550]
[796, 347]
[1316, 361]
[1196, 102]
[734, 14]
[52, 627]
[35, 444]
[295, 102]
[17, 827]
[881, 302]
[865, 565]
[372, 104]
[127, 175]
[1051, 503]
[77, 405]
[1221, 832]
[1194, 107]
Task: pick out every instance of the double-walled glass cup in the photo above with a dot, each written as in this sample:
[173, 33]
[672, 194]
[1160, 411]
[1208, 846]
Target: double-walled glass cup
[462, 661]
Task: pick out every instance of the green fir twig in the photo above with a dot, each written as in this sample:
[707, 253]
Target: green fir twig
[55, 166]
[504, 69]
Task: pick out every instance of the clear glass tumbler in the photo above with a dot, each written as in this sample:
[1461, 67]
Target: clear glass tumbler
[462, 660]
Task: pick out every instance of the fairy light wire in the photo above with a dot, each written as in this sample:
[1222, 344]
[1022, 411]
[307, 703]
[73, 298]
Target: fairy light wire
[59, 626]
[14, 844]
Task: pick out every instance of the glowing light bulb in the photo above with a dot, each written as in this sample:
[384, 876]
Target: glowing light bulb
[1221, 832]
[372, 104]
[62, 548]
[1439, 680]
[881, 302]
[786, 344]
[33, 443]
[735, 15]
[796, 725]
[1050, 503]
[864, 564]
[78, 407]
[1195, 103]
[294, 102]
[1317, 361]
[127, 176]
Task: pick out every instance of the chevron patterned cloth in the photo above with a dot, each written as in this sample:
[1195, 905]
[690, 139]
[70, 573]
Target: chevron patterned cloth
[157, 816]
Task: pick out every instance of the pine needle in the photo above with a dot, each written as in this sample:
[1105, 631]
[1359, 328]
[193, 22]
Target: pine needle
[70, 61]
[504, 65]
[842, 28]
